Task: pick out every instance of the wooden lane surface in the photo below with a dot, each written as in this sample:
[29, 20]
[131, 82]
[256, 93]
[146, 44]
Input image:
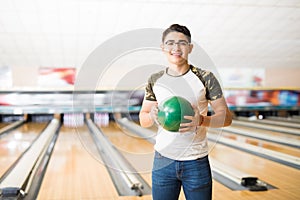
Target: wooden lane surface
[3, 124]
[267, 132]
[12, 145]
[261, 143]
[75, 170]
[280, 123]
[137, 151]
[285, 178]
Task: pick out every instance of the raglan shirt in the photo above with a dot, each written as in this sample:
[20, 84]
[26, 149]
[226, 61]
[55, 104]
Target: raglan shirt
[198, 87]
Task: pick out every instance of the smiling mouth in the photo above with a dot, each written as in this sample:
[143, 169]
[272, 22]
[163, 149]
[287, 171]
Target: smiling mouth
[176, 53]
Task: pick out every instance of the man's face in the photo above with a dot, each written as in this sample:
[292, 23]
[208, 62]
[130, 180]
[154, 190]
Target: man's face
[176, 47]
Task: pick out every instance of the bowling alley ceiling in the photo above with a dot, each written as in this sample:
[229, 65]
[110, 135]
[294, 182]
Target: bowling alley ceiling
[234, 33]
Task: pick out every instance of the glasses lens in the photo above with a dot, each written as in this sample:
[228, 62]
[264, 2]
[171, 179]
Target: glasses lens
[172, 44]
[183, 43]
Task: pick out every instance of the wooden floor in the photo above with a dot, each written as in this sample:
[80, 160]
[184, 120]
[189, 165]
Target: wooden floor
[286, 179]
[76, 171]
[12, 145]
[267, 132]
[264, 144]
[266, 170]
[3, 124]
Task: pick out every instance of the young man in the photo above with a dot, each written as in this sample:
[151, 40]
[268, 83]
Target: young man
[181, 158]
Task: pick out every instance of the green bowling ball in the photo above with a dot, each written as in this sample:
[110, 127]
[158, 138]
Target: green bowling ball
[171, 113]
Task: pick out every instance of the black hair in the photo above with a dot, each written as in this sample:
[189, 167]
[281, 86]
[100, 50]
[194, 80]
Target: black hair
[177, 28]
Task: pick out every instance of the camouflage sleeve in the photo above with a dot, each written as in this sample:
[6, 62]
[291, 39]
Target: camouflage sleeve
[212, 85]
[149, 93]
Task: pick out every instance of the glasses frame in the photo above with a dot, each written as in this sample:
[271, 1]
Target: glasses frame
[180, 44]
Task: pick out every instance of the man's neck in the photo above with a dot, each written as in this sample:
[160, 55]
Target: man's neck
[177, 70]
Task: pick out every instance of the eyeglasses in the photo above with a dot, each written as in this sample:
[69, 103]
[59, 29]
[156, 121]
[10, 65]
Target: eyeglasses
[170, 44]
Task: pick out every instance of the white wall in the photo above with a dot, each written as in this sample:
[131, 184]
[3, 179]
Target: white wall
[275, 77]
[283, 77]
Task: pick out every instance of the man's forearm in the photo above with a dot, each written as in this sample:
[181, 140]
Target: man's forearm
[220, 119]
[145, 119]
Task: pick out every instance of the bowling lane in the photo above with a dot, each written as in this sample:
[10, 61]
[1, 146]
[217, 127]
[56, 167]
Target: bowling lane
[137, 151]
[266, 132]
[261, 143]
[283, 119]
[285, 178]
[75, 170]
[280, 123]
[3, 125]
[12, 145]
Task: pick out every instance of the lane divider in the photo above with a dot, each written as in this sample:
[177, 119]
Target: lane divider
[279, 157]
[271, 122]
[126, 179]
[18, 181]
[279, 129]
[230, 177]
[266, 137]
[11, 126]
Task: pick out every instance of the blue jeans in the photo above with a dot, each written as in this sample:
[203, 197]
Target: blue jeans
[169, 175]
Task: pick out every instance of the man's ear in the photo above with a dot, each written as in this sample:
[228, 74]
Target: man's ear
[162, 47]
[191, 48]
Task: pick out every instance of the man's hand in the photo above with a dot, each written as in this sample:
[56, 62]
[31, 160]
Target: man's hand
[153, 114]
[193, 124]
